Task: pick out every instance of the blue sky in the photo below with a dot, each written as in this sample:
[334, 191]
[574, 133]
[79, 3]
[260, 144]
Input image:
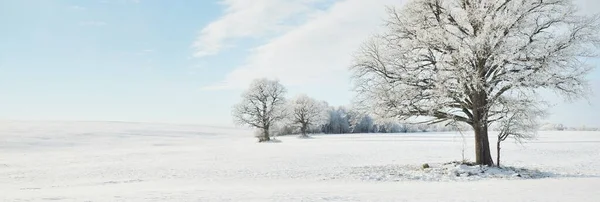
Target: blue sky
[108, 60]
[185, 61]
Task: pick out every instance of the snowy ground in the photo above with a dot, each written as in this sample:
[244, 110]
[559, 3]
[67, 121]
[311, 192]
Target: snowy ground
[94, 161]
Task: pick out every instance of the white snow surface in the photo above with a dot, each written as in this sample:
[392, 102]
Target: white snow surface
[116, 161]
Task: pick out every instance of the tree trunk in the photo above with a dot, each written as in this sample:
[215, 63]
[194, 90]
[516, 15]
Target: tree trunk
[483, 155]
[303, 130]
[266, 137]
[266, 124]
[498, 152]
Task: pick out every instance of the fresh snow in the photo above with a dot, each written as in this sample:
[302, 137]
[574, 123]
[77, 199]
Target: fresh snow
[116, 161]
[448, 172]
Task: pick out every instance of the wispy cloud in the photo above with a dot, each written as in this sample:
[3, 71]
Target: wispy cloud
[251, 19]
[316, 51]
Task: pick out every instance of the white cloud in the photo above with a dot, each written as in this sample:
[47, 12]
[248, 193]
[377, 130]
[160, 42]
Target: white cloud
[317, 51]
[251, 19]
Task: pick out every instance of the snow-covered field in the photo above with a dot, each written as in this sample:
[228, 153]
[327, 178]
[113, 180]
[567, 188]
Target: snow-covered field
[103, 161]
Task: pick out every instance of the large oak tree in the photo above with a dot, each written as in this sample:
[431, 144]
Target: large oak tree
[457, 60]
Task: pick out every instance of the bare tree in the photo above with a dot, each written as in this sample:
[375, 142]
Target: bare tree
[306, 111]
[520, 122]
[262, 105]
[454, 60]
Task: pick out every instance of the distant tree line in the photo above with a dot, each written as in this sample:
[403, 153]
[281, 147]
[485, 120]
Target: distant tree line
[265, 108]
[561, 127]
[344, 120]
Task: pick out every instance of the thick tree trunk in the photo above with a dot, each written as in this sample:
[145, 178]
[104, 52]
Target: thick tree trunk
[303, 130]
[483, 155]
[266, 137]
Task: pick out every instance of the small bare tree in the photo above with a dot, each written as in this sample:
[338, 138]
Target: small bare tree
[520, 120]
[306, 112]
[453, 60]
[262, 105]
